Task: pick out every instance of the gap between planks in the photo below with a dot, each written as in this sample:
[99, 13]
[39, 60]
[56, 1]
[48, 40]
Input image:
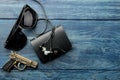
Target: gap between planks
[68, 19]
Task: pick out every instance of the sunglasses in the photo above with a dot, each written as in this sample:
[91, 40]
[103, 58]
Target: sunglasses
[27, 20]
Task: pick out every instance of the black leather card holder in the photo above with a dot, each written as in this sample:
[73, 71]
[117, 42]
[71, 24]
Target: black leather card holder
[60, 44]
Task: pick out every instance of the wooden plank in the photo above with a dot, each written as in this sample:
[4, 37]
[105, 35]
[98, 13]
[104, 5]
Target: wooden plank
[62, 9]
[60, 75]
[95, 45]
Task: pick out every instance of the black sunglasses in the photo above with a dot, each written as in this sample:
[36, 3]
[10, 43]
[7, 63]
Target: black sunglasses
[27, 20]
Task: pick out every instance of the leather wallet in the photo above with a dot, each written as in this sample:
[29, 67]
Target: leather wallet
[51, 44]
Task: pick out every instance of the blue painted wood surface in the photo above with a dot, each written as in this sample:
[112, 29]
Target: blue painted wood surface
[93, 27]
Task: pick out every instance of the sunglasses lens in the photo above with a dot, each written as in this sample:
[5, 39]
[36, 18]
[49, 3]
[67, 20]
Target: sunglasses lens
[17, 41]
[28, 19]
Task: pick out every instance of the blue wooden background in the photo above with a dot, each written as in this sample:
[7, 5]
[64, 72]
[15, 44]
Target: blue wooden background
[93, 27]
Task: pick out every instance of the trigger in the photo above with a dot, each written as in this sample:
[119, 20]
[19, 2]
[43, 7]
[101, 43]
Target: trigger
[19, 67]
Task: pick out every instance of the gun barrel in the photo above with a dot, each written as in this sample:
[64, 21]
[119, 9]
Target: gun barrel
[23, 60]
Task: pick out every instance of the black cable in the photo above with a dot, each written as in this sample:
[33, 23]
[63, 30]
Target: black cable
[48, 21]
[51, 38]
[46, 18]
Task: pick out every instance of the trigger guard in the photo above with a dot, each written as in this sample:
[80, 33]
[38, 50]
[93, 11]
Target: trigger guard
[19, 68]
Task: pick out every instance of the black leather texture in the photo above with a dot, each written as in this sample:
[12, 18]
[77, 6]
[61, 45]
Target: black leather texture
[60, 44]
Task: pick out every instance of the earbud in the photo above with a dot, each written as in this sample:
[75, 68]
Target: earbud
[46, 52]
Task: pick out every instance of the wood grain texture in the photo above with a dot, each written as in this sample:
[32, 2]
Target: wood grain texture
[95, 45]
[91, 25]
[61, 75]
[62, 9]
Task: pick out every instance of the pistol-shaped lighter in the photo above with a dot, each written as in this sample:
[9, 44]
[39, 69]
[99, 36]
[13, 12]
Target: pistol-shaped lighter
[16, 61]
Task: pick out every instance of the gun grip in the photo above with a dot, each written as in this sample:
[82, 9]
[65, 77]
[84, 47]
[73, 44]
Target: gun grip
[9, 65]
